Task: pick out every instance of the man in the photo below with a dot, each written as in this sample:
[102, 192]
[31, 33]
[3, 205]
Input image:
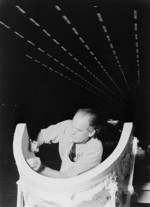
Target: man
[79, 148]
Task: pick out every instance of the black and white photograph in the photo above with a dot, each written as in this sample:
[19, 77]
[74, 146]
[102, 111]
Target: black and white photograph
[74, 103]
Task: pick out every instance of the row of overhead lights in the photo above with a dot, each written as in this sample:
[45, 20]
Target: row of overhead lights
[76, 74]
[37, 61]
[63, 76]
[54, 59]
[66, 67]
[63, 65]
[86, 46]
[63, 48]
[112, 48]
[136, 44]
[9, 105]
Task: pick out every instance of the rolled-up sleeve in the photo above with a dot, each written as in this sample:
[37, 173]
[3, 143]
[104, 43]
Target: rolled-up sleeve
[90, 159]
[54, 132]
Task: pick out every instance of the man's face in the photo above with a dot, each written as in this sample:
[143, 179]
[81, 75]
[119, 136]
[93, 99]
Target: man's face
[81, 128]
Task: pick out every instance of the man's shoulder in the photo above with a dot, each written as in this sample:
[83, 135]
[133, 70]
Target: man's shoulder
[58, 126]
[96, 144]
[93, 149]
[66, 122]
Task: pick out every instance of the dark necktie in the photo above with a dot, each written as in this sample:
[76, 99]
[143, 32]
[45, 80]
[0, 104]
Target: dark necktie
[72, 153]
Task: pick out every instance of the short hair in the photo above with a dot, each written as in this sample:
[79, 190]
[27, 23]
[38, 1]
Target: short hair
[94, 119]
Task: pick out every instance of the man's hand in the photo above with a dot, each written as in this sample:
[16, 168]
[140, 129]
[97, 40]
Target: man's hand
[34, 163]
[34, 146]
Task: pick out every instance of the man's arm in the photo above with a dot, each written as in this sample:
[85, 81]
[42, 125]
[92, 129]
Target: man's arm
[53, 133]
[47, 171]
[35, 164]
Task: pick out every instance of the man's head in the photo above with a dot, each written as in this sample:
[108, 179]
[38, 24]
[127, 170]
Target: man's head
[84, 125]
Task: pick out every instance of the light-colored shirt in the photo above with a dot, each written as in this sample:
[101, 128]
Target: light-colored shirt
[88, 155]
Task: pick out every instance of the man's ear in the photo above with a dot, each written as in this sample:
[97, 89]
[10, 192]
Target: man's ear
[92, 133]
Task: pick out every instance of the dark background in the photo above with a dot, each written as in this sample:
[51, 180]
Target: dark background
[48, 71]
[32, 93]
